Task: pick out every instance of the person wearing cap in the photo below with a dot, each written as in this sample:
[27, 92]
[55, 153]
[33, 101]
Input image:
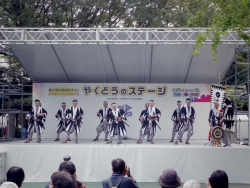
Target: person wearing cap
[63, 115]
[37, 117]
[191, 184]
[227, 121]
[176, 118]
[144, 123]
[74, 125]
[169, 179]
[214, 117]
[103, 126]
[153, 115]
[188, 118]
[117, 126]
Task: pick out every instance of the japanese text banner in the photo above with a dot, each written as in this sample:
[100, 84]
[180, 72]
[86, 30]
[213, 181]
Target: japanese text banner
[130, 97]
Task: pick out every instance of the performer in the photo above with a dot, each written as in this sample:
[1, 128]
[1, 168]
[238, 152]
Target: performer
[117, 126]
[37, 117]
[153, 115]
[214, 115]
[176, 118]
[227, 121]
[188, 118]
[76, 114]
[103, 126]
[144, 122]
[214, 118]
[63, 115]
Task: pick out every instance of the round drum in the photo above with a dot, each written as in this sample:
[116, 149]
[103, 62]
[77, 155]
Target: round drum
[217, 133]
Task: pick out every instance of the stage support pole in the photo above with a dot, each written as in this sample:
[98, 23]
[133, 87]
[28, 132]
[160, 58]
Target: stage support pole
[235, 93]
[248, 93]
[8, 122]
[248, 122]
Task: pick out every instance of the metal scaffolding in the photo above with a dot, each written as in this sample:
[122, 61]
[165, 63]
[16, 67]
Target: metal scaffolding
[241, 88]
[12, 87]
[110, 36]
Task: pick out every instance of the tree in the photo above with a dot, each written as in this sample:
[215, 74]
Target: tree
[228, 15]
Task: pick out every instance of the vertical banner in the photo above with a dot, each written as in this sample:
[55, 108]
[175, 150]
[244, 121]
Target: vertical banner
[217, 94]
[130, 97]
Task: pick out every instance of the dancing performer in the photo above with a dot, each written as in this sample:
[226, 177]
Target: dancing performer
[227, 121]
[188, 118]
[214, 118]
[63, 115]
[74, 125]
[153, 115]
[117, 126]
[144, 122]
[176, 118]
[103, 126]
[37, 117]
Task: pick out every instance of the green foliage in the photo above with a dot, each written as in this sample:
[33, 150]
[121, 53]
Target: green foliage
[227, 15]
[100, 13]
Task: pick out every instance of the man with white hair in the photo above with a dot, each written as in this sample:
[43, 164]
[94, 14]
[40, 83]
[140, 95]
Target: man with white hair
[117, 126]
[214, 117]
[103, 126]
[191, 184]
[188, 118]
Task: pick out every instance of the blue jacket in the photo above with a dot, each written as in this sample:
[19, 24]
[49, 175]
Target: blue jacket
[125, 183]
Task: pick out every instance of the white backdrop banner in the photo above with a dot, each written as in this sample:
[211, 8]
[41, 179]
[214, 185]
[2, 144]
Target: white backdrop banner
[130, 97]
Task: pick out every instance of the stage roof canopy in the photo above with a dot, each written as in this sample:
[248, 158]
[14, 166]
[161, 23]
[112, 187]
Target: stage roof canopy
[118, 55]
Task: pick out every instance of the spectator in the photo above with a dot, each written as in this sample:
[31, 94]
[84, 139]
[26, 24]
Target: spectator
[218, 179]
[62, 180]
[15, 178]
[192, 184]
[169, 178]
[118, 178]
[69, 167]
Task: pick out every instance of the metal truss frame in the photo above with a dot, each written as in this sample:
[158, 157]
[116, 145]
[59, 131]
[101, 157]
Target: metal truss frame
[7, 91]
[237, 85]
[110, 36]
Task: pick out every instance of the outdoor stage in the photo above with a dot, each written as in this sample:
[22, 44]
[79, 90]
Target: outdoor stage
[92, 159]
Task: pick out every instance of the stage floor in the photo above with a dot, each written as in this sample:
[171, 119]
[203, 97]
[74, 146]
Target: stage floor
[129, 142]
[147, 161]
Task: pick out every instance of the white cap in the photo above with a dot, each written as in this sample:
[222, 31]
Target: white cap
[192, 184]
[8, 184]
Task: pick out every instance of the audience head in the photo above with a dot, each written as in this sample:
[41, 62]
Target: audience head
[218, 179]
[118, 165]
[192, 184]
[169, 178]
[8, 184]
[16, 175]
[62, 180]
[68, 167]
